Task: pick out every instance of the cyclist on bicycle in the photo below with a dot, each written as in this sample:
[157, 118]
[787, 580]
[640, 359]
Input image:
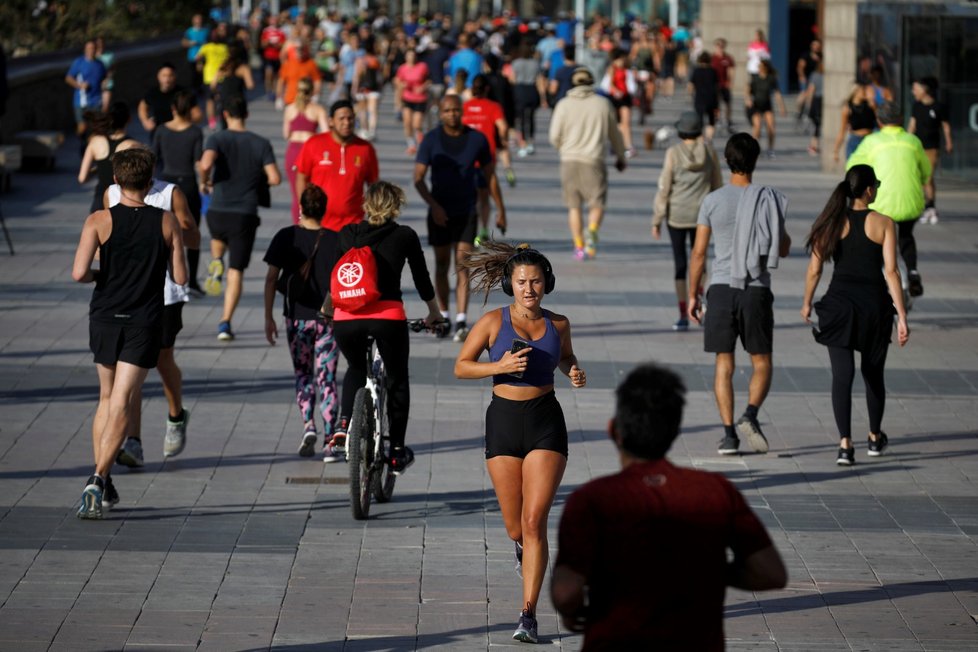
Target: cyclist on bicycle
[526, 436]
[384, 320]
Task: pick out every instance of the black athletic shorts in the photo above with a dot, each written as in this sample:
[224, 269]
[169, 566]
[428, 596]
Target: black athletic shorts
[458, 229]
[417, 107]
[135, 345]
[514, 428]
[237, 231]
[731, 314]
[171, 323]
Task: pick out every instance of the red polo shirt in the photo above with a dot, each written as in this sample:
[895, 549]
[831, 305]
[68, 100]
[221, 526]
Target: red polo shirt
[481, 114]
[342, 171]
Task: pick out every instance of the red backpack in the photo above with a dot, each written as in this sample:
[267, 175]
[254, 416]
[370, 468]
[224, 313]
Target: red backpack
[353, 283]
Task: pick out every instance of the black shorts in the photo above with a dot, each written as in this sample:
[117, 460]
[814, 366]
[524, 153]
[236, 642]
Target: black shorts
[417, 107]
[746, 314]
[514, 428]
[760, 108]
[274, 64]
[135, 345]
[458, 229]
[725, 95]
[237, 231]
[171, 323]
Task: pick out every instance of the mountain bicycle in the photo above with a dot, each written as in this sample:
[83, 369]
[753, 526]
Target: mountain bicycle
[368, 447]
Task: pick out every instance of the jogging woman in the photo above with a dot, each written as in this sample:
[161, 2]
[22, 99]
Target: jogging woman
[856, 313]
[301, 120]
[526, 437]
[760, 90]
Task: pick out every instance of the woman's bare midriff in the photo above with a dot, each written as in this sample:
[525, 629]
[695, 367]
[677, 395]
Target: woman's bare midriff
[520, 392]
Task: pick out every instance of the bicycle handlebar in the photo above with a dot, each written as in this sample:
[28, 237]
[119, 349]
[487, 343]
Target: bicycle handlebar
[439, 328]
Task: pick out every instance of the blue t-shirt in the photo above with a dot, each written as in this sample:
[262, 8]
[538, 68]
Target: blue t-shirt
[563, 79]
[348, 58]
[92, 72]
[468, 60]
[556, 62]
[452, 161]
[565, 30]
[199, 36]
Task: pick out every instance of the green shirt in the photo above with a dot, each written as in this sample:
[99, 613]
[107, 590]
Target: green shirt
[902, 168]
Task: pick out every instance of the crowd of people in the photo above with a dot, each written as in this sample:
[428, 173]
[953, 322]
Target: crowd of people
[467, 97]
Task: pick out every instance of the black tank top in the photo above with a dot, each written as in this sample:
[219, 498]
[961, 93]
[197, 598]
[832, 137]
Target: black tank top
[856, 257]
[129, 290]
[103, 167]
[861, 116]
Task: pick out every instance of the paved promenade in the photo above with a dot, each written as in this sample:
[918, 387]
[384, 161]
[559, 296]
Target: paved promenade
[239, 544]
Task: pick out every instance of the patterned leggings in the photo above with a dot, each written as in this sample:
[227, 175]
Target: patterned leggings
[314, 357]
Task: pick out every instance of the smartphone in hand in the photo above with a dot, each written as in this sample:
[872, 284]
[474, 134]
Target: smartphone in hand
[518, 345]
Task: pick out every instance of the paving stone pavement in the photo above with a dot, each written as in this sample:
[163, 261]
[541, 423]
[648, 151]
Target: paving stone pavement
[239, 544]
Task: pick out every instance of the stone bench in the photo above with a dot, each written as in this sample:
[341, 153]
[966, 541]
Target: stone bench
[39, 147]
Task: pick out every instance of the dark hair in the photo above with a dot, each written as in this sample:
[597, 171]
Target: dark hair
[704, 59]
[133, 168]
[649, 410]
[184, 103]
[930, 83]
[236, 107]
[889, 113]
[493, 62]
[340, 104]
[741, 152]
[313, 202]
[570, 51]
[167, 64]
[831, 222]
[495, 259]
[480, 86]
[113, 119]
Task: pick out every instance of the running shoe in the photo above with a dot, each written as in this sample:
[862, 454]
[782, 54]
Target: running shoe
[110, 497]
[931, 216]
[224, 332]
[176, 435]
[131, 454]
[333, 454]
[401, 459]
[846, 457]
[750, 429]
[335, 448]
[630, 152]
[519, 559]
[308, 446]
[591, 243]
[522, 153]
[526, 629]
[481, 237]
[461, 331]
[531, 149]
[877, 447]
[213, 284]
[771, 154]
[728, 446]
[916, 285]
[511, 177]
[91, 499]
[681, 326]
[579, 253]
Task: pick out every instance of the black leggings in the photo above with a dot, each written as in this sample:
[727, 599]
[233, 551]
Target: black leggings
[908, 245]
[843, 371]
[678, 238]
[527, 99]
[392, 341]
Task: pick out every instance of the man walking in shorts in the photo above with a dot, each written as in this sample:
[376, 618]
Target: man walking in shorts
[243, 168]
[136, 242]
[746, 223]
[582, 125]
[460, 162]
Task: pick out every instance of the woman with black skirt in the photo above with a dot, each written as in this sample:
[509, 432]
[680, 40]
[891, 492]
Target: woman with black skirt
[856, 313]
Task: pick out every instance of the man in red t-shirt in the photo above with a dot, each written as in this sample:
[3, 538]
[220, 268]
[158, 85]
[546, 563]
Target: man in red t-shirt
[272, 40]
[642, 562]
[486, 117]
[723, 64]
[340, 163]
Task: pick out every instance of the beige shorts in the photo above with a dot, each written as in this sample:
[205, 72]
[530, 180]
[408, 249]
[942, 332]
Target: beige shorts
[584, 182]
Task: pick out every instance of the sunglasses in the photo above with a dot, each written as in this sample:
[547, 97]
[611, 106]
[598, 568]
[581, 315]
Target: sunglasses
[877, 184]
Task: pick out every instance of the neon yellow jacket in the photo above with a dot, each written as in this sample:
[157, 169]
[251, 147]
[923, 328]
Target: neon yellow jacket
[902, 168]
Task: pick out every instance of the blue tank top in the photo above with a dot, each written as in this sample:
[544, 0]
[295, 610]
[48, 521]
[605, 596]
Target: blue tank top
[542, 359]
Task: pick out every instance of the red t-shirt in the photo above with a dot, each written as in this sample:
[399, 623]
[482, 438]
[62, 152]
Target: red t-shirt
[341, 171]
[272, 39]
[722, 64]
[481, 114]
[414, 78]
[652, 542]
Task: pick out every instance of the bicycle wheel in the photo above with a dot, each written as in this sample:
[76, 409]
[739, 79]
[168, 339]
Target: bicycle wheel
[383, 480]
[359, 451]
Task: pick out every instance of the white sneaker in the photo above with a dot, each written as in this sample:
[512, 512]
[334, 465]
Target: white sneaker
[461, 331]
[131, 454]
[176, 435]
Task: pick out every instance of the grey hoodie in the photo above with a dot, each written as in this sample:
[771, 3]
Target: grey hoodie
[689, 173]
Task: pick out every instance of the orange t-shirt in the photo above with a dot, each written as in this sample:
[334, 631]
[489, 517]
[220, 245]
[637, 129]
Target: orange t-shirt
[294, 70]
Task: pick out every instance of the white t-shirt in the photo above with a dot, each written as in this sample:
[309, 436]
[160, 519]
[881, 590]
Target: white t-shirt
[160, 196]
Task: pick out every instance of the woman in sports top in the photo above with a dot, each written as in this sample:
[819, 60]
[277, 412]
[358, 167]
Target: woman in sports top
[526, 437]
[392, 245]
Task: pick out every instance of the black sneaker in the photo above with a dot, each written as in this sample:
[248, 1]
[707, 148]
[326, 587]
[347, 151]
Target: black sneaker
[916, 287]
[877, 447]
[461, 331]
[519, 559]
[751, 430]
[728, 446]
[401, 459]
[110, 497]
[846, 457]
